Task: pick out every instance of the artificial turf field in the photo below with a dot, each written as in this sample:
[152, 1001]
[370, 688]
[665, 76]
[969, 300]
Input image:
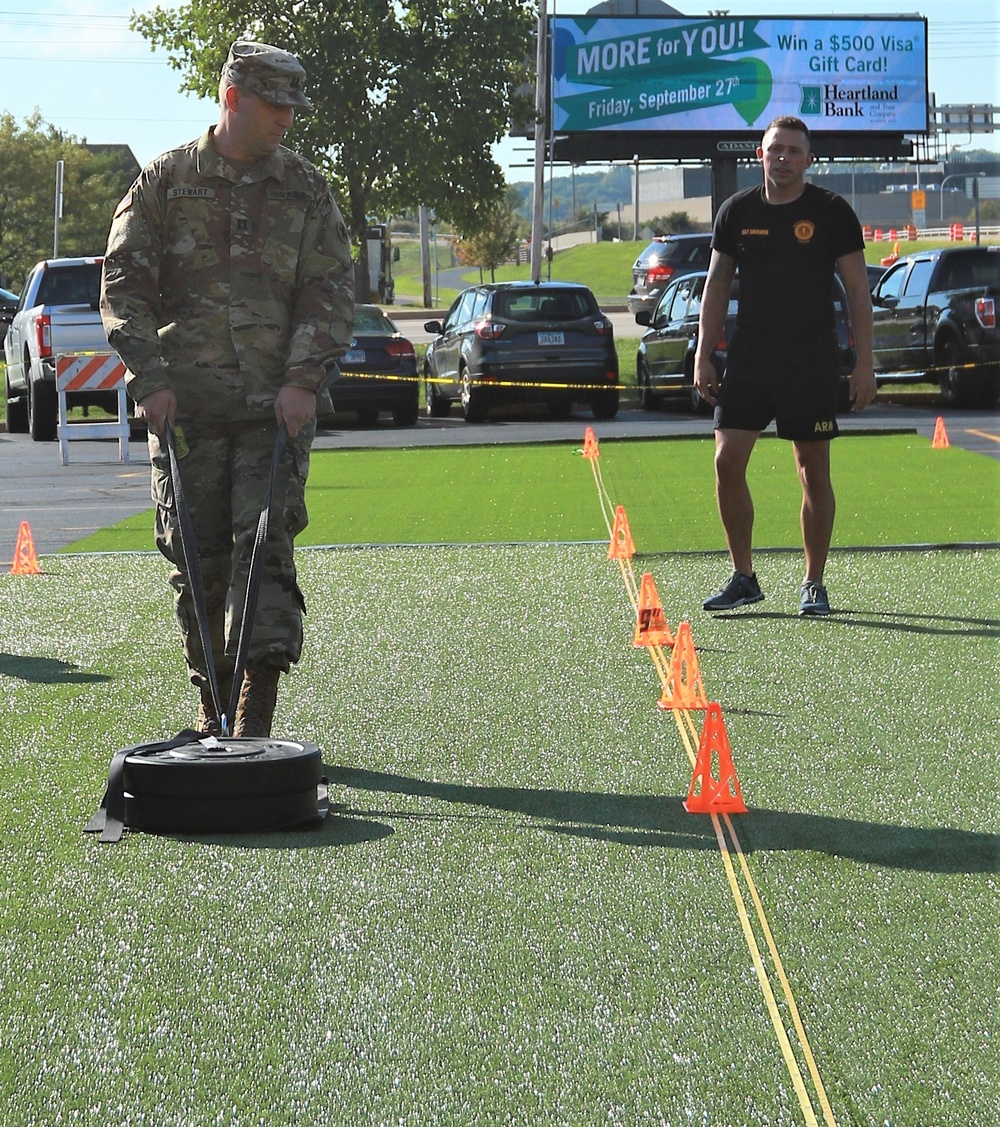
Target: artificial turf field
[510, 919]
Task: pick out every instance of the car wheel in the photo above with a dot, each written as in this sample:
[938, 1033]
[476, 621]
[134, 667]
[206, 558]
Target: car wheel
[961, 386]
[405, 414]
[438, 405]
[42, 410]
[474, 406]
[648, 401]
[17, 411]
[951, 381]
[699, 406]
[605, 404]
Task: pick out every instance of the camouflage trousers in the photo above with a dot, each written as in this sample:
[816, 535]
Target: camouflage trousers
[224, 470]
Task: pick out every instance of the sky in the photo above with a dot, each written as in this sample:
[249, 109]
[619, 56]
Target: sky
[79, 65]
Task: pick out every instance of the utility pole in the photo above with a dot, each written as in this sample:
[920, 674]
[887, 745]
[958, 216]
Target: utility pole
[60, 165]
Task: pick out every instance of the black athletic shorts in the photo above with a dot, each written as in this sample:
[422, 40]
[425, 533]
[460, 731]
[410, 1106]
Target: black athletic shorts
[791, 382]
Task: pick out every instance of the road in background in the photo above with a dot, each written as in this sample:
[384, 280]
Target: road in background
[63, 504]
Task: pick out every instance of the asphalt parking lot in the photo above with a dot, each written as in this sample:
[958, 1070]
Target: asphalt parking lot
[63, 504]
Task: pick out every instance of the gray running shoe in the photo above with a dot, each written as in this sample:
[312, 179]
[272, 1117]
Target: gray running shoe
[813, 599]
[738, 592]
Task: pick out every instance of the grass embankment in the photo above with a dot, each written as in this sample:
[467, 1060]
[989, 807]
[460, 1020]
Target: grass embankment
[605, 267]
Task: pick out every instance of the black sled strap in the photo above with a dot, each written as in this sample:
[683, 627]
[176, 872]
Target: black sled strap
[109, 820]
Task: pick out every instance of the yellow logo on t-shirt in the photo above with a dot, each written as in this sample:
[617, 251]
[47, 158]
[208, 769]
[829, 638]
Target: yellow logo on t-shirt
[804, 230]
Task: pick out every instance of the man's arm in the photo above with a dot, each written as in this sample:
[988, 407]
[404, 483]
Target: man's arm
[711, 322]
[859, 302]
[130, 297]
[322, 317]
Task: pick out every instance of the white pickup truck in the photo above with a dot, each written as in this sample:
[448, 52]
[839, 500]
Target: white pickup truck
[58, 314]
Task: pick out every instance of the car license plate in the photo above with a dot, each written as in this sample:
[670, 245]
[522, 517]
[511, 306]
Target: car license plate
[354, 356]
[551, 340]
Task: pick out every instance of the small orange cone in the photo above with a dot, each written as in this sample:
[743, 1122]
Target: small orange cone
[590, 448]
[708, 793]
[940, 439]
[651, 626]
[621, 546]
[684, 689]
[25, 560]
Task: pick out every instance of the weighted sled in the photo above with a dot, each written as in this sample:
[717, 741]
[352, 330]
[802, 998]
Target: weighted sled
[197, 784]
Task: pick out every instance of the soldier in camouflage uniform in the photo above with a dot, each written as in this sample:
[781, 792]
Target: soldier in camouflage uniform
[227, 292]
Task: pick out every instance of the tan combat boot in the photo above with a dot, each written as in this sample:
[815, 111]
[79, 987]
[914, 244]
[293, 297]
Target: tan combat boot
[208, 720]
[258, 696]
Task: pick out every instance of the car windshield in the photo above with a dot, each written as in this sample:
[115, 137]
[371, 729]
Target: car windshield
[371, 319]
[542, 305]
[71, 285]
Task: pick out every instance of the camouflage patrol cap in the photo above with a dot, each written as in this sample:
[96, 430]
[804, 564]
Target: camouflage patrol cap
[273, 74]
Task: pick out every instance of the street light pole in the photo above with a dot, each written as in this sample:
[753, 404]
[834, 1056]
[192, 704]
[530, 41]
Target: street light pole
[974, 177]
[953, 176]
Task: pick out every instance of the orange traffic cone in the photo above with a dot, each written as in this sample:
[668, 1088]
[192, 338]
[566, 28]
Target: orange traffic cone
[590, 448]
[940, 439]
[621, 546]
[684, 689]
[708, 793]
[25, 560]
[651, 626]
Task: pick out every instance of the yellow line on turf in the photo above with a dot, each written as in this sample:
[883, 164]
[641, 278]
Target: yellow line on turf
[772, 1006]
[690, 738]
[786, 988]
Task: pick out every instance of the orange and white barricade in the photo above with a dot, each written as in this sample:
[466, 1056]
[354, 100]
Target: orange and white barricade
[101, 371]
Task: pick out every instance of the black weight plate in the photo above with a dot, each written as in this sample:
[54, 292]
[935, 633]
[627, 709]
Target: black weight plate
[159, 814]
[238, 767]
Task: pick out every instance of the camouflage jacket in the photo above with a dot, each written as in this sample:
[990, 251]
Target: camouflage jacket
[226, 284]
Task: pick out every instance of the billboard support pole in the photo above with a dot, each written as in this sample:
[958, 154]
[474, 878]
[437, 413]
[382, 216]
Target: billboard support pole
[542, 127]
[723, 181]
[635, 198]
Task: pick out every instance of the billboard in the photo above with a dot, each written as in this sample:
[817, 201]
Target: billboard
[732, 74]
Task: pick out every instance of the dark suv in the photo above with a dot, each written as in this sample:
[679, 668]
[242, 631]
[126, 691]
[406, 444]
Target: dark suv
[517, 342]
[667, 257]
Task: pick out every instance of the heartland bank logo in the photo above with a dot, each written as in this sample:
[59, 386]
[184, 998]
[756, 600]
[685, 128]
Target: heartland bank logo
[836, 100]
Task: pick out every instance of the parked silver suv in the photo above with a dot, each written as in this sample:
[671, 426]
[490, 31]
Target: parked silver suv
[667, 257]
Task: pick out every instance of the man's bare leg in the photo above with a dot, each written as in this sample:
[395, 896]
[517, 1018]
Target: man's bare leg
[732, 455]
[818, 504]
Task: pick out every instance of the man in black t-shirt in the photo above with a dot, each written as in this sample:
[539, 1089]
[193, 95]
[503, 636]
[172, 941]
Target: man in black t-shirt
[786, 237]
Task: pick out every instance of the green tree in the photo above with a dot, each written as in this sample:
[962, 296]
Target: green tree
[493, 237]
[409, 95]
[676, 223]
[93, 183]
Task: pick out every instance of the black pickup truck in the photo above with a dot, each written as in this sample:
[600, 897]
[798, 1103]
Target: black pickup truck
[936, 321]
